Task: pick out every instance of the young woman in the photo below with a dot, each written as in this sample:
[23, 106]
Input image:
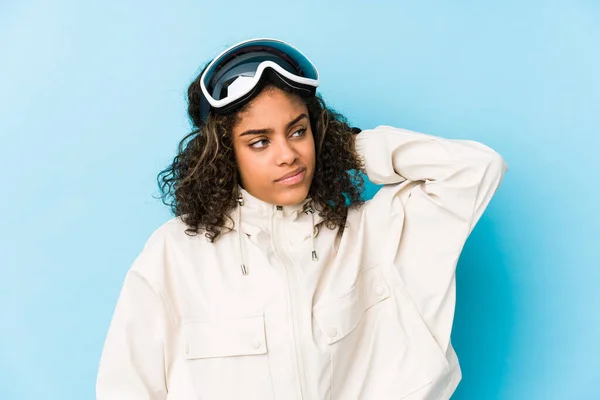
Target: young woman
[275, 280]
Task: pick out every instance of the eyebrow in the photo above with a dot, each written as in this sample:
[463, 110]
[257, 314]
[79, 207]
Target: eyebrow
[270, 130]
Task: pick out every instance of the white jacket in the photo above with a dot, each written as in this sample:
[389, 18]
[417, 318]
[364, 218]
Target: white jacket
[370, 319]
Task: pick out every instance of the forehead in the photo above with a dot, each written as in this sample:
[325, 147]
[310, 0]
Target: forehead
[270, 109]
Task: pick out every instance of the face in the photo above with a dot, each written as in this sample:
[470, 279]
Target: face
[274, 148]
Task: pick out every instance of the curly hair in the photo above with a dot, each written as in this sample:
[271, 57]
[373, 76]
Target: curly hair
[202, 183]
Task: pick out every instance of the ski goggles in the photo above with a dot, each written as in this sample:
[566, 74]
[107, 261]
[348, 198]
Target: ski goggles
[232, 78]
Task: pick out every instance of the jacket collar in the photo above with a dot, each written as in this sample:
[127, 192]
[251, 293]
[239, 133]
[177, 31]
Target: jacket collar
[253, 217]
[256, 213]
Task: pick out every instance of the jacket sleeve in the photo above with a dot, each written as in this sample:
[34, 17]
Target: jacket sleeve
[435, 192]
[132, 366]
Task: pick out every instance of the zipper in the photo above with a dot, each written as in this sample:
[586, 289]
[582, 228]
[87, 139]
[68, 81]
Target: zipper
[299, 365]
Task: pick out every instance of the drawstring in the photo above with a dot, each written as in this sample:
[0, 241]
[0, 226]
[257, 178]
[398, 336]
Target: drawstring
[239, 231]
[309, 210]
[314, 250]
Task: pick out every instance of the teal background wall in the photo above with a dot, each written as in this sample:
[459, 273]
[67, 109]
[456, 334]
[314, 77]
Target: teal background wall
[92, 107]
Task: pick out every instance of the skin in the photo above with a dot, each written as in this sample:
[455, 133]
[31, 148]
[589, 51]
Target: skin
[273, 138]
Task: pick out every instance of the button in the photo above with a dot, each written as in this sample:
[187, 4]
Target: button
[379, 290]
[257, 344]
[332, 332]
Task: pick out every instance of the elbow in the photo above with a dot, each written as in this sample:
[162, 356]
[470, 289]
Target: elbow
[489, 160]
[496, 167]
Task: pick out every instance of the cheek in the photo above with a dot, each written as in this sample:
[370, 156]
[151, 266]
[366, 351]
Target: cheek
[250, 165]
[308, 152]
[244, 162]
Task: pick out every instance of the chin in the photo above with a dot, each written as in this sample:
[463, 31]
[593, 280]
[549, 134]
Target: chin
[292, 196]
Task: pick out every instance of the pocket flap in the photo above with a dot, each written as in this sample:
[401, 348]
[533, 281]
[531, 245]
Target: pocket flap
[339, 316]
[225, 337]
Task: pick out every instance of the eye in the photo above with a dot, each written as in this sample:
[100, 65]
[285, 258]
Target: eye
[299, 133]
[259, 144]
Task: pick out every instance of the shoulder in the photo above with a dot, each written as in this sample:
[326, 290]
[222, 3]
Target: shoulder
[168, 242]
[172, 232]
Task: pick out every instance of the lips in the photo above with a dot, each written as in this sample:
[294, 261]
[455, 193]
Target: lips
[289, 175]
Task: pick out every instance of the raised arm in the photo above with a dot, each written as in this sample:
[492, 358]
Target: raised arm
[435, 191]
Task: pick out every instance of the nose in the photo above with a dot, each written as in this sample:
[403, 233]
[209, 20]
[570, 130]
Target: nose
[286, 154]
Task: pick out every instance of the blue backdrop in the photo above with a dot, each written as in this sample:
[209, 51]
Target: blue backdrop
[92, 107]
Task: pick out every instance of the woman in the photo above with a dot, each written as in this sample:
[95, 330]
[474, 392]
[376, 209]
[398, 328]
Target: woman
[275, 280]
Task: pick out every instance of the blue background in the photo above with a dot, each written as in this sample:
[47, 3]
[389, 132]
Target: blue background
[92, 106]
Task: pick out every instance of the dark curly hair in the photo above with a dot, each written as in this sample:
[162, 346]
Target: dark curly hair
[201, 184]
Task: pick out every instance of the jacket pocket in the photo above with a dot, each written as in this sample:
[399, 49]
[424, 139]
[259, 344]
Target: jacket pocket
[338, 317]
[227, 358]
[377, 346]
